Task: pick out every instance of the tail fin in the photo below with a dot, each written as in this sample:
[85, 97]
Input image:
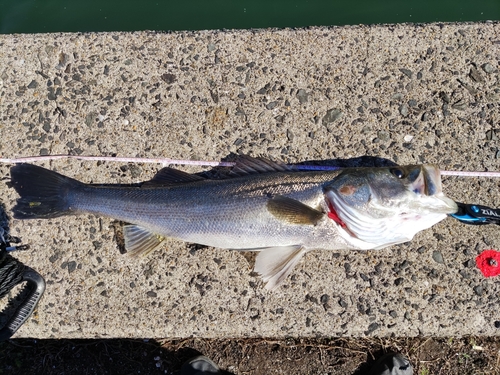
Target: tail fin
[43, 193]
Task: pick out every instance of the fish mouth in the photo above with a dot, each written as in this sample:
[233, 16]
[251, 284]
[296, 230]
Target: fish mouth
[427, 183]
[426, 180]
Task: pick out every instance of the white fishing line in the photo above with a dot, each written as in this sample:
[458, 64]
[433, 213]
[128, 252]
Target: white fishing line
[164, 161]
[470, 173]
[204, 163]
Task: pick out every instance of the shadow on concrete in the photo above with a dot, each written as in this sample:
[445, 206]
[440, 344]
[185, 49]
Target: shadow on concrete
[99, 356]
[137, 356]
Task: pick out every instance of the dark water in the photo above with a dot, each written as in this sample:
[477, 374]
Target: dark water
[33, 16]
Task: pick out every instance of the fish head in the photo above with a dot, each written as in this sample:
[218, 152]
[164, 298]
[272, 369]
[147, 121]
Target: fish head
[384, 206]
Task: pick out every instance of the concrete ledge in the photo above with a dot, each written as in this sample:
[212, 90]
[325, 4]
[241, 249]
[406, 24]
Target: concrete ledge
[409, 93]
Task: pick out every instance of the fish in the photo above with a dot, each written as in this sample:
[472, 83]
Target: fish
[262, 205]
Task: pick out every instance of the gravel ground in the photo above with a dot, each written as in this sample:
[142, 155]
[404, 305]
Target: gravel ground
[403, 93]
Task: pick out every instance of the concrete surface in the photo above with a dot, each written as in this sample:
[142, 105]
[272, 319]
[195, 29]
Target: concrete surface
[409, 93]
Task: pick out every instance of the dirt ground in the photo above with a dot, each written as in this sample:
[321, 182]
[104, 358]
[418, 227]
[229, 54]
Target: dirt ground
[444, 356]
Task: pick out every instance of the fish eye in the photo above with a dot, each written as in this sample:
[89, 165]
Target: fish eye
[399, 173]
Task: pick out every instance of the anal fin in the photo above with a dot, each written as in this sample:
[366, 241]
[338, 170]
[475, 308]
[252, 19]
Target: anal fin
[140, 241]
[274, 264]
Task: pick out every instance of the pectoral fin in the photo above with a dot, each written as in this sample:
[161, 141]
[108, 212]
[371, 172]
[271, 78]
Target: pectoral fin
[293, 211]
[140, 241]
[274, 264]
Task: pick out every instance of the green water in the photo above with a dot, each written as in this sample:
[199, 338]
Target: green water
[33, 16]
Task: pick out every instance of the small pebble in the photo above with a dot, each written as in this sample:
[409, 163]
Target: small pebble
[383, 135]
[475, 75]
[461, 105]
[331, 115]
[372, 327]
[302, 95]
[406, 72]
[168, 78]
[403, 109]
[469, 263]
[408, 138]
[488, 68]
[491, 135]
[325, 298]
[438, 257]
[478, 289]
[444, 97]
[272, 105]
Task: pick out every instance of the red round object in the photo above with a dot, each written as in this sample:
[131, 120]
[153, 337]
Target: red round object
[488, 263]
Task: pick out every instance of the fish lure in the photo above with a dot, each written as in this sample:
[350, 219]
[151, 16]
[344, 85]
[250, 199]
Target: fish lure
[488, 261]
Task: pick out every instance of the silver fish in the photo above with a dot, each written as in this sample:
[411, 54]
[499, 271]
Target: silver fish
[264, 206]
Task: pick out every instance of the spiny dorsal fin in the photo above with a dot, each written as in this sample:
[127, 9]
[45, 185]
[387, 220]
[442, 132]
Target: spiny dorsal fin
[245, 165]
[170, 176]
[274, 264]
[293, 211]
[139, 240]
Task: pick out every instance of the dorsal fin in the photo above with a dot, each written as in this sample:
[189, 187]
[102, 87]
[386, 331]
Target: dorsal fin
[245, 165]
[170, 176]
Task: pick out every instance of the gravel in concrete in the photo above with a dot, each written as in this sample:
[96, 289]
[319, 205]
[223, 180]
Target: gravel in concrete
[408, 93]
